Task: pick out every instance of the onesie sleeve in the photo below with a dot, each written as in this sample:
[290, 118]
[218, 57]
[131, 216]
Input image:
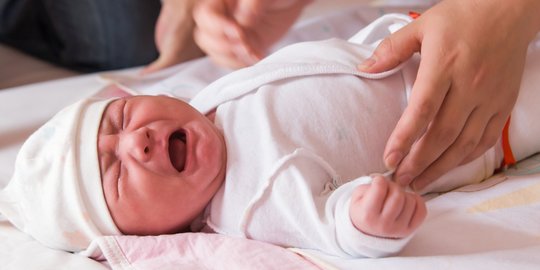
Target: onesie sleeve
[350, 240]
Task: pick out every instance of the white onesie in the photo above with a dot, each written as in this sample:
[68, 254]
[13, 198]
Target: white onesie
[301, 129]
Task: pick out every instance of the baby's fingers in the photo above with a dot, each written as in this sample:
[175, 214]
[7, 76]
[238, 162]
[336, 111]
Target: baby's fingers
[414, 212]
[394, 204]
[400, 212]
[366, 205]
[419, 213]
[376, 194]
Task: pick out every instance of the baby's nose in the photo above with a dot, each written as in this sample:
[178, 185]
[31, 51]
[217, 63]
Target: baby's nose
[137, 144]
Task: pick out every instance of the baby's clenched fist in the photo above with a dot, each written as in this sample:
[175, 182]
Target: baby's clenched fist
[384, 209]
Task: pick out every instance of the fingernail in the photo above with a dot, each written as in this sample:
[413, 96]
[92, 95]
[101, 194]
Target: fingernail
[364, 66]
[391, 161]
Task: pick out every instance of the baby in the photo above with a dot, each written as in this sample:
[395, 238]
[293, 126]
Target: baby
[278, 152]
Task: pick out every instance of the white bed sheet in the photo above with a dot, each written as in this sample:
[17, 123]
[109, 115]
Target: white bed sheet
[443, 243]
[492, 225]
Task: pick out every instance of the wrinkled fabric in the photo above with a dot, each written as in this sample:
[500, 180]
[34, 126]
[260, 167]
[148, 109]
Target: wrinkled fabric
[55, 194]
[193, 251]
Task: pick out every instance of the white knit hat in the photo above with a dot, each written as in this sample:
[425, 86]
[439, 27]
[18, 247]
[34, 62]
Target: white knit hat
[55, 194]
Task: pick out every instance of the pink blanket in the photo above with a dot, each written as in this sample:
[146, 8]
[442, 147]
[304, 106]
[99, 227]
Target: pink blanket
[193, 251]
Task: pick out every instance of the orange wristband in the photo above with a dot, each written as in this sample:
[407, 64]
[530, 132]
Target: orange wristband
[508, 159]
[413, 14]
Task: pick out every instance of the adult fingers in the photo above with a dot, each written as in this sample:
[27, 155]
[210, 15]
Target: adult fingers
[464, 144]
[248, 11]
[212, 24]
[177, 48]
[173, 57]
[443, 130]
[158, 64]
[393, 50]
[428, 93]
[211, 16]
[174, 35]
[233, 56]
[220, 36]
[491, 134]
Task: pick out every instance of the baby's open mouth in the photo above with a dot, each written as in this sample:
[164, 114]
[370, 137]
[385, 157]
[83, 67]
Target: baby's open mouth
[178, 149]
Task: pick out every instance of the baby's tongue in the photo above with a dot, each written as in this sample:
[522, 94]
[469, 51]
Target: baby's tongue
[177, 152]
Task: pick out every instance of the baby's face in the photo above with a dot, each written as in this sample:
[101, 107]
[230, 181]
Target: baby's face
[161, 162]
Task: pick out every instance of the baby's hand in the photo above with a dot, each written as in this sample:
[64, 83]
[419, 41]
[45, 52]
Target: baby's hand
[384, 209]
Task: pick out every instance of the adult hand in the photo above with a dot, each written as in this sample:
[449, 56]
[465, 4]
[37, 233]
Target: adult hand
[472, 59]
[238, 33]
[384, 209]
[174, 35]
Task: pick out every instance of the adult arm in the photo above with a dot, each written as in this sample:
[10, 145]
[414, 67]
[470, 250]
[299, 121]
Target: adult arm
[472, 59]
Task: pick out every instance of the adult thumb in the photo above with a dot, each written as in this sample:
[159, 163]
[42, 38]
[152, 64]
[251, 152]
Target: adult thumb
[393, 50]
[158, 64]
